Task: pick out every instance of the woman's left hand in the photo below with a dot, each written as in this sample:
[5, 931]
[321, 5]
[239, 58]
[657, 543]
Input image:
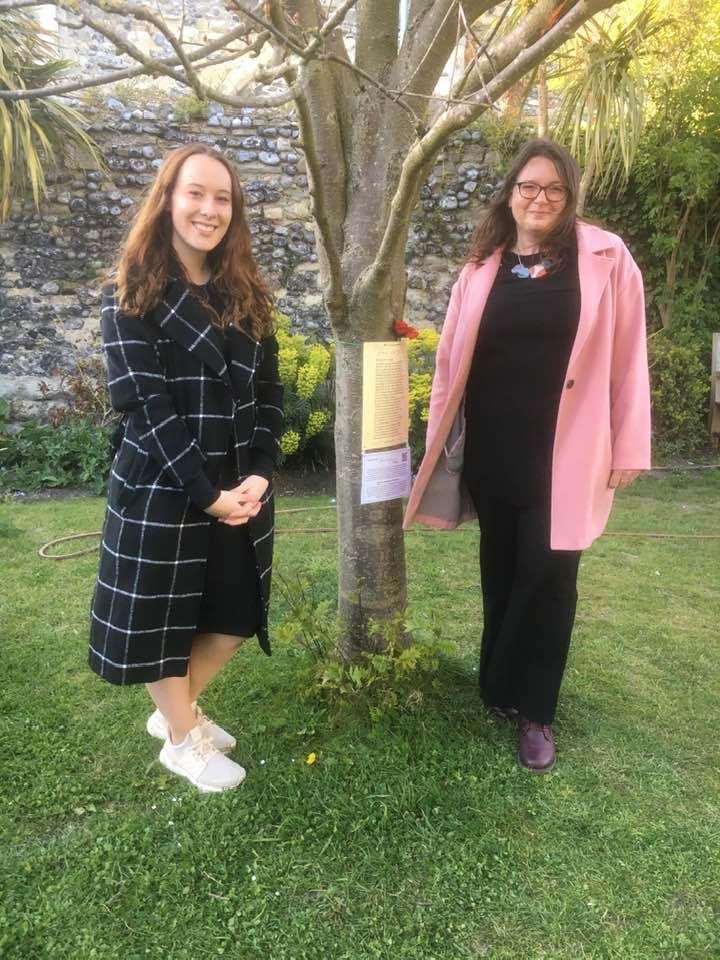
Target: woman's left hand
[250, 493]
[622, 478]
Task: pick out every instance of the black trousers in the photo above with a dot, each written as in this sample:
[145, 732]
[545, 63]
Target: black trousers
[529, 599]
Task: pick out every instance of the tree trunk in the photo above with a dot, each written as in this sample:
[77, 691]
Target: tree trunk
[371, 550]
[542, 126]
[585, 181]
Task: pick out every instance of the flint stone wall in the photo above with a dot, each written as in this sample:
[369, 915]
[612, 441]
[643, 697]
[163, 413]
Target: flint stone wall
[51, 260]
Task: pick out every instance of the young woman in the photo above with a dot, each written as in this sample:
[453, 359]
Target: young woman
[186, 553]
[540, 409]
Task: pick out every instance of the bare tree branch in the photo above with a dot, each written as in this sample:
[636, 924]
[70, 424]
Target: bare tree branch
[144, 14]
[429, 41]
[544, 15]
[204, 91]
[461, 21]
[203, 52]
[152, 67]
[268, 25]
[481, 49]
[19, 4]
[37, 93]
[332, 242]
[309, 53]
[428, 49]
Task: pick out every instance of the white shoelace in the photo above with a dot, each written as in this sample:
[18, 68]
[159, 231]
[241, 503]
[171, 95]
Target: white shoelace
[204, 749]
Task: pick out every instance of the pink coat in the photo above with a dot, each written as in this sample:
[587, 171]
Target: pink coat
[604, 413]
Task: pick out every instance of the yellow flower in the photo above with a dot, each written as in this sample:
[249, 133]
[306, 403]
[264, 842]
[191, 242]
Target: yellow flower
[313, 371]
[320, 357]
[310, 759]
[290, 442]
[282, 322]
[425, 344]
[287, 365]
[419, 399]
[317, 421]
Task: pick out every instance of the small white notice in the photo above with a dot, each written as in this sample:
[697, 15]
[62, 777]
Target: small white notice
[385, 475]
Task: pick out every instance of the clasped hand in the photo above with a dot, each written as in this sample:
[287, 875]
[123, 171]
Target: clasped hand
[235, 507]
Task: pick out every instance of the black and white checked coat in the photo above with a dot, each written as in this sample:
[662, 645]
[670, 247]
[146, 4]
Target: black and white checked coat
[183, 408]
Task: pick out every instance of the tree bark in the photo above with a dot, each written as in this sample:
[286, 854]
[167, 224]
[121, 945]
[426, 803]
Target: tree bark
[542, 125]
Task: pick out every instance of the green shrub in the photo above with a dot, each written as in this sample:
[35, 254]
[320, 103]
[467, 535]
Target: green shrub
[421, 366]
[388, 679]
[306, 374]
[70, 453]
[189, 108]
[680, 395]
[73, 449]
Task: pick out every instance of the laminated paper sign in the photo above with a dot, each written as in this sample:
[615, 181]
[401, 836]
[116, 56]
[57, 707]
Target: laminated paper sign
[385, 416]
[385, 422]
[385, 475]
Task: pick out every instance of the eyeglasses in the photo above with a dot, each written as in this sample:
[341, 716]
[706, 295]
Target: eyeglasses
[529, 190]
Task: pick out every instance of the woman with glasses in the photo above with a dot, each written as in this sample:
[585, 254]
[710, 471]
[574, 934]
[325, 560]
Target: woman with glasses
[540, 410]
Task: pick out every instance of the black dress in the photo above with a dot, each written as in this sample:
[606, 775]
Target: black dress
[231, 601]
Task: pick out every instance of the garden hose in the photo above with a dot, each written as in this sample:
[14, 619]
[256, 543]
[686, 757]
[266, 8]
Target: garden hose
[42, 552]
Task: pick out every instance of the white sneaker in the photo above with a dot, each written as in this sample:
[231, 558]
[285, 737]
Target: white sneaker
[199, 761]
[157, 726]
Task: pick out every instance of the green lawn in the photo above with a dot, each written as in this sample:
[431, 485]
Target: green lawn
[414, 838]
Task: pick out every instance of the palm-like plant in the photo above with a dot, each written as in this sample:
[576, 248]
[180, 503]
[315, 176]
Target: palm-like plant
[601, 115]
[34, 134]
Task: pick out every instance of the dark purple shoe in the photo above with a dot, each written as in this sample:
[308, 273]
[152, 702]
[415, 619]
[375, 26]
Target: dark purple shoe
[503, 713]
[536, 748]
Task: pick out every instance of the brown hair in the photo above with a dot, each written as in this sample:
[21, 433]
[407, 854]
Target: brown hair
[497, 228]
[147, 259]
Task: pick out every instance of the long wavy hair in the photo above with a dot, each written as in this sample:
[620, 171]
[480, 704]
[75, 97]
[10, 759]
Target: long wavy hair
[497, 227]
[147, 260]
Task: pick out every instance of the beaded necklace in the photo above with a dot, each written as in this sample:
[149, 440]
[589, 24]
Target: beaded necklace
[534, 272]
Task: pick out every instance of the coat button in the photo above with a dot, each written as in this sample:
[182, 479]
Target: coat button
[570, 384]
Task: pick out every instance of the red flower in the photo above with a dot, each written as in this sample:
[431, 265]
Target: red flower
[403, 329]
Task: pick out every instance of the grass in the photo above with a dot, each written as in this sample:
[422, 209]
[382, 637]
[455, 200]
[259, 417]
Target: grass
[413, 838]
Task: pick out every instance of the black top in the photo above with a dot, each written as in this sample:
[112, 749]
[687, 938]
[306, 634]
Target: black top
[517, 375]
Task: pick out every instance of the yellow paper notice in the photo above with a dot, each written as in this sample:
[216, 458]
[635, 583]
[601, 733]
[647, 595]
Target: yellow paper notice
[385, 417]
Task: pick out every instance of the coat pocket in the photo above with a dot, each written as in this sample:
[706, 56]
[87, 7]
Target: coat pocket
[454, 447]
[130, 476]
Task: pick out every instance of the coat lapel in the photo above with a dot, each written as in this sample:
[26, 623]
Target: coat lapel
[183, 318]
[473, 308]
[594, 271]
